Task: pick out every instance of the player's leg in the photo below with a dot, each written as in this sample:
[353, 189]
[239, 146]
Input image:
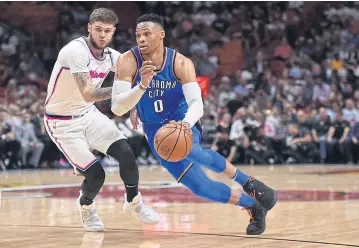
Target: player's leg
[192, 175]
[105, 137]
[71, 142]
[216, 162]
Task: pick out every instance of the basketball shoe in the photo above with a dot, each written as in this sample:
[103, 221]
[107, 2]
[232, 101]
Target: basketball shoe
[266, 196]
[89, 217]
[257, 219]
[145, 213]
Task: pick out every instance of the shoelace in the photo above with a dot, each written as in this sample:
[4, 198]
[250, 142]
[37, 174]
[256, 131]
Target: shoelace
[146, 210]
[89, 216]
[253, 194]
[250, 213]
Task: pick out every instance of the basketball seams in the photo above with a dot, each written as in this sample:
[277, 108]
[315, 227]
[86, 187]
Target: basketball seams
[171, 151]
[175, 128]
[185, 141]
[179, 134]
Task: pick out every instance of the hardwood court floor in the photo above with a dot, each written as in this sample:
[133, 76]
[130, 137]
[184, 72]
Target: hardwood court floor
[318, 207]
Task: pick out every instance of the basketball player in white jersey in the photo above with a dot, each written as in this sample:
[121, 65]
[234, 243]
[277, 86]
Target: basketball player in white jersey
[76, 126]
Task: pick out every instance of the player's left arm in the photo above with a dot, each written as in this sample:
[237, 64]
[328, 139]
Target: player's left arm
[185, 72]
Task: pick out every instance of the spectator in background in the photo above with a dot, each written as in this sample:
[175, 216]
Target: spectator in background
[31, 146]
[237, 130]
[337, 63]
[259, 149]
[303, 120]
[9, 146]
[299, 145]
[241, 87]
[321, 92]
[224, 124]
[338, 137]
[224, 146]
[198, 46]
[350, 112]
[274, 129]
[354, 136]
[320, 132]
[226, 93]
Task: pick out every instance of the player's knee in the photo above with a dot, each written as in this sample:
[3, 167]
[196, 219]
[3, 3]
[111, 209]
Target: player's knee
[121, 151]
[95, 174]
[200, 186]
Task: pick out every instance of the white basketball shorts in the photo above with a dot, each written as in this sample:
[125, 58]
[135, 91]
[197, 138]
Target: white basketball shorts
[76, 137]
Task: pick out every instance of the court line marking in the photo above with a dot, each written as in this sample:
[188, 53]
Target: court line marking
[40, 195]
[194, 233]
[150, 185]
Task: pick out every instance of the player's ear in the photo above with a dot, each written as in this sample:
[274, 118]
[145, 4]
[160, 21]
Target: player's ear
[89, 27]
[162, 34]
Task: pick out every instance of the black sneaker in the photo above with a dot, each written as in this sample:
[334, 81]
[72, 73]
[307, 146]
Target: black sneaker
[266, 196]
[257, 219]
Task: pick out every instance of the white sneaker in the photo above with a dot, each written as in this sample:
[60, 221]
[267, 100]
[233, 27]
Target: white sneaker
[145, 213]
[89, 217]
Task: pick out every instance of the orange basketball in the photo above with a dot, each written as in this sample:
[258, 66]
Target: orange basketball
[172, 142]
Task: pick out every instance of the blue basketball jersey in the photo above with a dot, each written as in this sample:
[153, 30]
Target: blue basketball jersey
[164, 99]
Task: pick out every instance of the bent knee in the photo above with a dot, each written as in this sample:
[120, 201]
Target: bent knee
[95, 172]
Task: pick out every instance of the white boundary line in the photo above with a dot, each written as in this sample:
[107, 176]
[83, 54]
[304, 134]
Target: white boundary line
[39, 195]
[150, 185]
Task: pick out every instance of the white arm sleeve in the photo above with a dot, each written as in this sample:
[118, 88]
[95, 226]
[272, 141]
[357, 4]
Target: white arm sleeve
[124, 98]
[75, 56]
[192, 93]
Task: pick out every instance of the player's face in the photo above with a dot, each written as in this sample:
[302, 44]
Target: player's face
[100, 34]
[149, 37]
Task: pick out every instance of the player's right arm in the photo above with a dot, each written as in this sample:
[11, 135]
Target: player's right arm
[75, 56]
[125, 98]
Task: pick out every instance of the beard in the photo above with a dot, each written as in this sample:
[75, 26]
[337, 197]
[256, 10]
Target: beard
[93, 43]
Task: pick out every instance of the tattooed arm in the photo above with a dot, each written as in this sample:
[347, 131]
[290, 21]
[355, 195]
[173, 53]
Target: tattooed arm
[90, 94]
[75, 56]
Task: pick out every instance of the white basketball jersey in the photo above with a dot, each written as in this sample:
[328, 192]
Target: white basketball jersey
[63, 94]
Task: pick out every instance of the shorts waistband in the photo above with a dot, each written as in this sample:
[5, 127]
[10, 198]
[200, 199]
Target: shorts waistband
[62, 117]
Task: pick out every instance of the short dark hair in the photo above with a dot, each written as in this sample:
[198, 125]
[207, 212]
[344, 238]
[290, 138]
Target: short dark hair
[151, 18]
[103, 15]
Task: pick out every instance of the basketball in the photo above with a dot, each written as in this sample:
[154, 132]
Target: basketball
[172, 142]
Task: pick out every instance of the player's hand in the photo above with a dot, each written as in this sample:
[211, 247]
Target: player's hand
[186, 125]
[134, 118]
[147, 72]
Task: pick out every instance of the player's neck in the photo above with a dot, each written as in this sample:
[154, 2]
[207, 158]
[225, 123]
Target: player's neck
[97, 52]
[156, 57]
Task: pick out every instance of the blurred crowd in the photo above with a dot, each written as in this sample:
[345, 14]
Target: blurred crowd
[283, 79]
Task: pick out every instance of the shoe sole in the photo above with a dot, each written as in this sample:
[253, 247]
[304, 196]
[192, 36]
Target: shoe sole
[94, 229]
[258, 232]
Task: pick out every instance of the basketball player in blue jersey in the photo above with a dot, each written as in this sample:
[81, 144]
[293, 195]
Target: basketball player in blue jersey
[161, 84]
